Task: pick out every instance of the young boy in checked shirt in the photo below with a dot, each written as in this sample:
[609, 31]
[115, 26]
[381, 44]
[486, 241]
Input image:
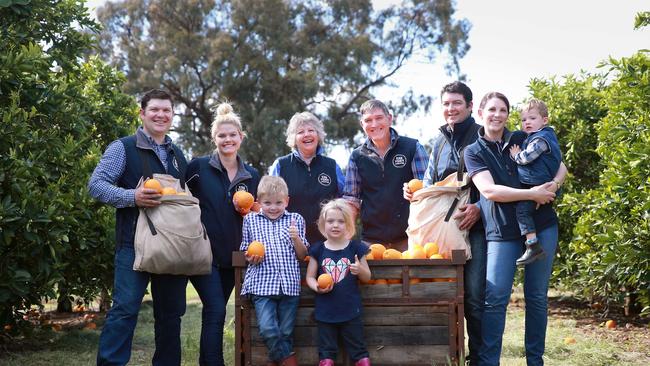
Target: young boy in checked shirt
[273, 281]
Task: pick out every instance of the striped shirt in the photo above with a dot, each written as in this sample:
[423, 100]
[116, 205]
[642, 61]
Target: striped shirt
[352, 188]
[103, 183]
[279, 271]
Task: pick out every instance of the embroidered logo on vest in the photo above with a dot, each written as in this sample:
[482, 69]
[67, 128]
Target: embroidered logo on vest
[175, 163]
[324, 179]
[399, 161]
[241, 187]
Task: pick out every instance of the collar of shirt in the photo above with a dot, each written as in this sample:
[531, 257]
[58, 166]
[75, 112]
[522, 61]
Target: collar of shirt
[242, 173]
[143, 138]
[319, 151]
[261, 214]
[393, 140]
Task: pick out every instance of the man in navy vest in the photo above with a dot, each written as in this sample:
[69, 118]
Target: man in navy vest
[375, 174]
[114, 182]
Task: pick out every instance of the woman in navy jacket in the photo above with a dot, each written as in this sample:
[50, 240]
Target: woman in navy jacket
[495, 175]
[213, 180]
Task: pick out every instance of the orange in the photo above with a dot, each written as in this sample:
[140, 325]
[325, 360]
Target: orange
[325, 280]
[307, 258]
[418, 252]
[431, 249]
[569, 340]
[414, 185]
[255, 248]
[407, 254]
[392, 254]
[244, 200]
[610, 324]
[153, 184]
[436, 256]
[369, 256]
[377, 251]
[168, 190]
[381, 282]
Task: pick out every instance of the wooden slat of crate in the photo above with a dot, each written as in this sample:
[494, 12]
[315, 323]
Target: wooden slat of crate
[383, 315]
[379, 355]
[396, 335]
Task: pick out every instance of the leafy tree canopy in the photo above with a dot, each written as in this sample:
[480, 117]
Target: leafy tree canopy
[273, 58]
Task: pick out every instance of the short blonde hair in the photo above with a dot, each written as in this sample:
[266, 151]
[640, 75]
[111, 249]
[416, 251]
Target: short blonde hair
[225, 115]
[536, 104]
[342, 206]
[270, 185]
[304, 118]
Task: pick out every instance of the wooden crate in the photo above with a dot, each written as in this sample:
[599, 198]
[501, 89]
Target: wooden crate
[418, 321]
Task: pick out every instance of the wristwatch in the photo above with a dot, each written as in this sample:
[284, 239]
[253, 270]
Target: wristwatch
[558, 183]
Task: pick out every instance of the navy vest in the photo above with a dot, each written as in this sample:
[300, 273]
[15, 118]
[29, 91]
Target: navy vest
[309, 186]
[126, 218]
[544, 168]
[499, 218]
[214, 191]
[384, 211]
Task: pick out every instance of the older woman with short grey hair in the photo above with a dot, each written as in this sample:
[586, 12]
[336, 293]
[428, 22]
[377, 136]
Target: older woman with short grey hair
[312, 177]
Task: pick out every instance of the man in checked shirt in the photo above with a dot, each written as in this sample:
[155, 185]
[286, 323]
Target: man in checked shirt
[376, 172]
[273, 280]
[537, 164]
[114, 182]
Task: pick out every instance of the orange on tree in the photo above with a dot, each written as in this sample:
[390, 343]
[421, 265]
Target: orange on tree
[415, 185]
[244, 200]
[153, 184]
[255, 248]
[325, 280]
[377, 251]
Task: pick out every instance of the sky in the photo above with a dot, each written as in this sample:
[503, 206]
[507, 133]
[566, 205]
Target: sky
[513, 41]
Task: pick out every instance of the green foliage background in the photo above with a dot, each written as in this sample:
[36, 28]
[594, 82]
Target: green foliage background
[57, 113]
[602, 122]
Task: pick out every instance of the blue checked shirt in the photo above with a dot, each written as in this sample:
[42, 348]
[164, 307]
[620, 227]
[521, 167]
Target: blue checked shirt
[279, 271]
[533, 150]
[102, 184]
[352, 188]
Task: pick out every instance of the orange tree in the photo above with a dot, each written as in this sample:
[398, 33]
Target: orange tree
[602, 123]
[58, 111]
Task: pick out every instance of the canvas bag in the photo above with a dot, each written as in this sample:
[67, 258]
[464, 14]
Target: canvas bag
[170, 238]
[430, 216]
[432, 208]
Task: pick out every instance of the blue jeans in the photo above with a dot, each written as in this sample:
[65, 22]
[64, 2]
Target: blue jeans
[213, 316]
[501, 269]
[276, 316]
[475, 292]
[525, 212]
[351, 332]
[168, 294]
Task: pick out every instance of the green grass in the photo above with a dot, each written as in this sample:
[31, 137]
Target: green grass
[594, 345]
